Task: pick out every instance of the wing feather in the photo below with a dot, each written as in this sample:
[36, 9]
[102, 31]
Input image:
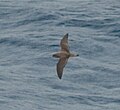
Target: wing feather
[60, 66]
[64, 43]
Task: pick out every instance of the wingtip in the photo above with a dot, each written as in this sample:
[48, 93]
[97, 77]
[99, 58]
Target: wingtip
[66, 34]
[59, 76]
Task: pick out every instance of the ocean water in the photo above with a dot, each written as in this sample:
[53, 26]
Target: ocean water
[30, 32]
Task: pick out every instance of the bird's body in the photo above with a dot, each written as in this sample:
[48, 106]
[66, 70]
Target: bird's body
[63, 55]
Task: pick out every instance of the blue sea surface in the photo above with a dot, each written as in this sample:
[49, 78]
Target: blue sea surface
[30, 32]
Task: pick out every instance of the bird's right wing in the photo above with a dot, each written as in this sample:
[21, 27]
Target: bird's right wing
[60, 66]
[64, 43]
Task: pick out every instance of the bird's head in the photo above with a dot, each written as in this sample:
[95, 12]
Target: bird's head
[73, 55]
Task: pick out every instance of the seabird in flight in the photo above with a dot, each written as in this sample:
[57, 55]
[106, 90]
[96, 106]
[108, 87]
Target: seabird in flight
[63, 55]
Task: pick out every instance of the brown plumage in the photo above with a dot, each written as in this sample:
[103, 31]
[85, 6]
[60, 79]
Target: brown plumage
[64, 55]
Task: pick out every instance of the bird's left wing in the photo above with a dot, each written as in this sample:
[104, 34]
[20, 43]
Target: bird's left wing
[64, 43]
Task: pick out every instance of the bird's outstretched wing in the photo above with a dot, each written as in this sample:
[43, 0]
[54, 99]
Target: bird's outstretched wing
[64, 43]
[60, 66]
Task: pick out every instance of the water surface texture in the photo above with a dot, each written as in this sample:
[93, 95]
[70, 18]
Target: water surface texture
[30, 31]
